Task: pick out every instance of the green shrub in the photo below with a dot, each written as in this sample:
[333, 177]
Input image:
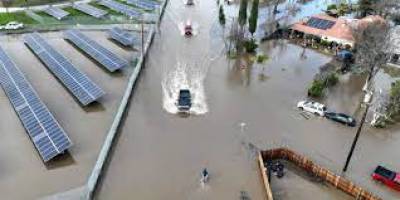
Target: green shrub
[316, 89]
[261, 58]
[324, 42]
[250, 46]
[331, 80]
[331, 7]
[17, 16]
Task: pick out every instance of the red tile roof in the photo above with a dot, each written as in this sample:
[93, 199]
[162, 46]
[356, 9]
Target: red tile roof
[340, 31]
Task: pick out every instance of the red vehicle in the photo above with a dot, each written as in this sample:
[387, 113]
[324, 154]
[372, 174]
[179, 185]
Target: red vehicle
[188, 29]
[387, 177]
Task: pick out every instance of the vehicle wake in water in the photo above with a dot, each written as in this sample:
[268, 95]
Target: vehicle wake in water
[184, 77]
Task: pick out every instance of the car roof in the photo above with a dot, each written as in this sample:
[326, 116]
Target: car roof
[315, 103]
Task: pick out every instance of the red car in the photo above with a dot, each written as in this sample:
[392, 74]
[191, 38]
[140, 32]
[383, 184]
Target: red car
[188, 29]
[387, 177]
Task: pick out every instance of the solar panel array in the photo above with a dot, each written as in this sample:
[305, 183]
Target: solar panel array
[122, 36]
[120, 7]
[57, 13]
[320, 23]
[90, 10]
[146, 5]
[102, 55]
[77, 82]
[47, 135]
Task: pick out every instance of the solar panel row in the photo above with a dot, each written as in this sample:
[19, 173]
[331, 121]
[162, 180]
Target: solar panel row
[154, 3]
[57, 13]
[142, 4]
[123, 37]
[77, 82]
[120, 7]
[47, 135]
[102, 55]
[320, 23]
[90, 10]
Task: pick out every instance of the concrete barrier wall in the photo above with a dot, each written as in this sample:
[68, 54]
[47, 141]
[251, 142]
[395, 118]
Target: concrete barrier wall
[309, 166]
[98, 169]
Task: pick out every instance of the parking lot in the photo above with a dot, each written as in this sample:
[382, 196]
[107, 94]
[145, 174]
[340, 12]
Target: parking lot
[86, 126]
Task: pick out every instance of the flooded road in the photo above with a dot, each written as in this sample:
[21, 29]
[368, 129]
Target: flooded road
[241, 107]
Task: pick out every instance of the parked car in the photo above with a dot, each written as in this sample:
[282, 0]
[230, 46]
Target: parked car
[188, 29]
[387, 177]
[13, 25]
[184, 102]
[312, 107]
[341, 118]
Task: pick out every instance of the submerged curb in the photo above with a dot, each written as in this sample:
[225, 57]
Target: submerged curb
[98, 169]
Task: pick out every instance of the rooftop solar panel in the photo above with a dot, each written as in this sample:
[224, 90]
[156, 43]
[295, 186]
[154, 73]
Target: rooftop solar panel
[57, 13]
[122, 8]
[90, 10]
[45, 132]
[123, 37]
[142, 4]
[102, 55]
[320, 23]
[77, 82]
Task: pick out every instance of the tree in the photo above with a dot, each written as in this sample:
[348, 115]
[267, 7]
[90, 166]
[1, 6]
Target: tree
[253, 17]
[221, 16]
[242, 13]
[6, 4]
[366, 7]
[371, 42]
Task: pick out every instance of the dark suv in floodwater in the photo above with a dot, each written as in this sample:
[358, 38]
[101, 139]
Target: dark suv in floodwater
[184, 102]
[341, 118]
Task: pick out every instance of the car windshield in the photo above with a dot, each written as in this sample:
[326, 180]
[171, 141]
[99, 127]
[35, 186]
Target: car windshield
[184, 94]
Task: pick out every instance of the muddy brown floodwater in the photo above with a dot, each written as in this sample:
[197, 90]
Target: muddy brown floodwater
[159, 155]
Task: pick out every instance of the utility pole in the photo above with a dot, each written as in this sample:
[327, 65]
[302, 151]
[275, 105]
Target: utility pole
[366, 101]
[353, 145]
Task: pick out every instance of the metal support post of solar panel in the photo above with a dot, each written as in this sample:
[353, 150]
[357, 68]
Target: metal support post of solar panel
[102, 55]
[122, 8]
[90, 10]
[74, 80]
[123, 37]
[57, 13]
[45, 132]
[142, 4]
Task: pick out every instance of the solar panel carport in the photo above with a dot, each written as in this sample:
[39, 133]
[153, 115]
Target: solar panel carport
[102, 55]
[43, 129]
[78, 83]
[90, 10]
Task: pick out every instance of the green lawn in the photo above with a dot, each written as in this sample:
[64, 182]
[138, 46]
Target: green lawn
[111, 12]
[16, 3]
[74, 12]
[20, 17]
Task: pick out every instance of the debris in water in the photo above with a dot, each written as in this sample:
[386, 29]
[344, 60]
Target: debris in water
[244, 195]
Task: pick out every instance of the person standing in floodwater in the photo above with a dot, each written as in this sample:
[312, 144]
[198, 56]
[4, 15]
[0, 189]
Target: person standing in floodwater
[204, 176]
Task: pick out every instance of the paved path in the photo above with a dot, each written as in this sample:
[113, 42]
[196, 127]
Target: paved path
[39, 8]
